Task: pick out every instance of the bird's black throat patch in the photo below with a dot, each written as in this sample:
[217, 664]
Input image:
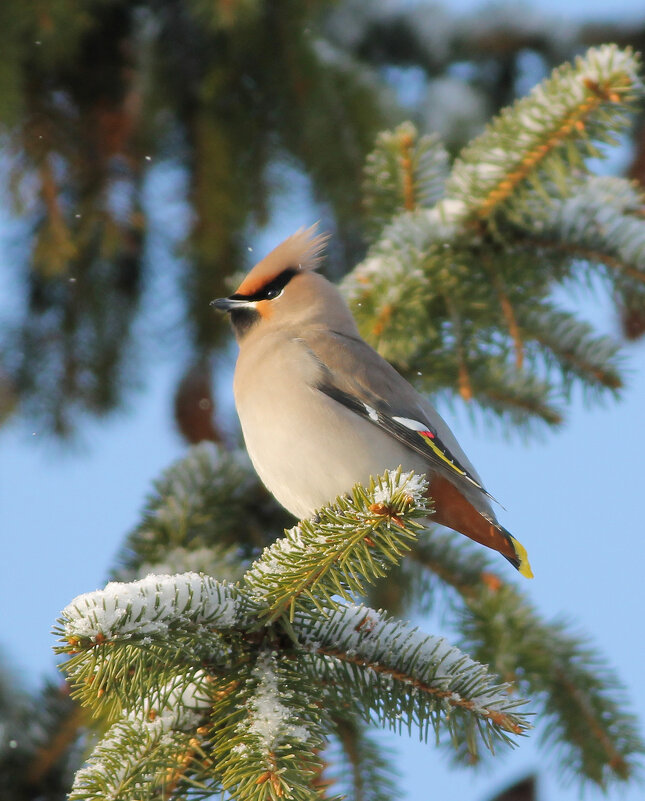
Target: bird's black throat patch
[243, 320]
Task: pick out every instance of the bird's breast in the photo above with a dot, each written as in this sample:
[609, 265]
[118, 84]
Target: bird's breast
[307, 448]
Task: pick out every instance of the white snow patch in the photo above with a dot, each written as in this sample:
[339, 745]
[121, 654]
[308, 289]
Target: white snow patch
[362, 277]
[118, 739]
[179, 703]
[446, 217]
[271, 563]
[150, 605]
[270, 718]
[365, 633]
[391, 483]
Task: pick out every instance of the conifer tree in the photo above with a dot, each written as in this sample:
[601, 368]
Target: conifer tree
[210, 666]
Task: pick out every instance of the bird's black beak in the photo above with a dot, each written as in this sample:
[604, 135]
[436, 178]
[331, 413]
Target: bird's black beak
[228, 304]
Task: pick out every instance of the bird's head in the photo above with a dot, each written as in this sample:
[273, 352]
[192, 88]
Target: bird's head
[283, 289]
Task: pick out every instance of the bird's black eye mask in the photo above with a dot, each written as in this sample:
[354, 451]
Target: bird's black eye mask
[270, 290]
[243, 316]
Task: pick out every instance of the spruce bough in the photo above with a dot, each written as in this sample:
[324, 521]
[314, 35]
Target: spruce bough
[200, 684]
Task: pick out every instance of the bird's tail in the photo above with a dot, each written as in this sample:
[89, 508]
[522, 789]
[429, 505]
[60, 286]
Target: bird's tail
[521, 560]
[452, 509]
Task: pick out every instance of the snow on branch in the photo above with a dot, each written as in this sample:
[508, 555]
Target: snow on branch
[180, 702]
[398, 256]
[151, 746]
[270, 721]
[542, 137]
[405, 171]
[121, 764]
[353, 542]
[271, 732]
[601, 222]
[439, 679]
[151, 606]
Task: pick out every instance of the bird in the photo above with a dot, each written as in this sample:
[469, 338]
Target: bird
[321, 410]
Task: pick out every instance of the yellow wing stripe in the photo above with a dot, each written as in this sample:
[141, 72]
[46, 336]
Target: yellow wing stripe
[429, 441]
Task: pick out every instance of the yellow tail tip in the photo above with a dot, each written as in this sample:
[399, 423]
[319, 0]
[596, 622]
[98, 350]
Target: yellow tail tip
[520, 551]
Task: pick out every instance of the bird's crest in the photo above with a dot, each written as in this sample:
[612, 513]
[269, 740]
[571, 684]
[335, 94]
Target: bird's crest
[301, 251]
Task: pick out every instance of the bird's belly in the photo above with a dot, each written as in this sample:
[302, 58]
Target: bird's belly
[308, 460]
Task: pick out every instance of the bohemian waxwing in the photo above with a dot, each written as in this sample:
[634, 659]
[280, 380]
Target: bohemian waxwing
[321, 410]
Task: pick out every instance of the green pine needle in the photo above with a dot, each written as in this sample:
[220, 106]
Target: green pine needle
[273, 729]
[349, 544]
[404, 171]
[404, 678]
[576, 694]
[142, 759]
[545, 136]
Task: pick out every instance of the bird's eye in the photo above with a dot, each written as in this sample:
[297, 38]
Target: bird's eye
[270, 294]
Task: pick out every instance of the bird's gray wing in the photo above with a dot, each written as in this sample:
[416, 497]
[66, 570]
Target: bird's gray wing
[354, 375]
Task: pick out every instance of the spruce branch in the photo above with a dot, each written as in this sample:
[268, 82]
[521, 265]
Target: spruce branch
[509, 314]
[569, 344]
[367, 774]
[459, 291]
[347, 545]
[151, 606]
[164, 626]
[602, 222]
[534, 145]
[219, 688]
[156, 743]
[268, 746]
[120, 765]
[426, 681]
[580, 697]
[513, 397]
[218, 691]
[209, 500]
[392, 280]
[405, 171]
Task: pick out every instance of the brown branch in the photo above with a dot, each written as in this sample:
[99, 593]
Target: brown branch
[47, 756]
[406, 141]
[62, 247]
[616, 761]
[183, 762]
[347, 736]
[361, 534]
[463, 378]
[382, 320]
[549, 415]
[465, 387]
[500, 719]
[508, 314]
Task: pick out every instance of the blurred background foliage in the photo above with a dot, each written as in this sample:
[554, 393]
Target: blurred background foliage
[142, 144]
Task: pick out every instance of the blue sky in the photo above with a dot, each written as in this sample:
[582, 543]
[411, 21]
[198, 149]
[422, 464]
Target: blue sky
[573, 498]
